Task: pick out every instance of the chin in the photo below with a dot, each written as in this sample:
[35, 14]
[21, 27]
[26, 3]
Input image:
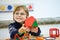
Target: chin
[19, 21]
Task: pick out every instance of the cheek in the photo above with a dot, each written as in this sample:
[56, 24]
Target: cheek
[24, 17]
[14, 17]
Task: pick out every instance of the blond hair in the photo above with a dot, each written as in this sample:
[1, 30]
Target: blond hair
[21, 7]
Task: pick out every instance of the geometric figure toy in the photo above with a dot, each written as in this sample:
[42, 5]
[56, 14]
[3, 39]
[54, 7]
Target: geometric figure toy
[30, 6]
[54, 32]
[40, 38]
[35, 24]
[29, 22]
[9, 7]
[16, 37]
[2, 7]
[21, 33]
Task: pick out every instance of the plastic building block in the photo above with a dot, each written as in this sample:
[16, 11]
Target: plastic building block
[54, 32]
[29, 21]
[35, 24]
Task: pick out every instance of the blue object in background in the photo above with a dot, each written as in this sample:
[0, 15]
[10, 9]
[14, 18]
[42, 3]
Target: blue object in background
[9, 7]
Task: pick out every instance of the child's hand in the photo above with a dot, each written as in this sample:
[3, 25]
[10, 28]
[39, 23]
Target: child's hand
[34, 29]
[22, 29]
[27, 29]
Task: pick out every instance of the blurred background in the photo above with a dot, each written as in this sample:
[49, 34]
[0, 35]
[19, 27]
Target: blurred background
[46, 12]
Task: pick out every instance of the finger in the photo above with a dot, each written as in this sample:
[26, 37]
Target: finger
[22, 25]
[36, 28]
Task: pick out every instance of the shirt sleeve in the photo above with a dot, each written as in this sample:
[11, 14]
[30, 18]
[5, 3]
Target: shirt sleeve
[36, 34]
[12, 31]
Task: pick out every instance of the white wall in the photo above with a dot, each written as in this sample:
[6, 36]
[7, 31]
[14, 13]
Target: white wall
[42, 8]
[46, 8]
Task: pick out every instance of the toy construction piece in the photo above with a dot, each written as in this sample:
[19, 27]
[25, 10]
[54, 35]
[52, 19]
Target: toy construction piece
[21, 33]
[35, 24]
[17, 37]
[29, 21]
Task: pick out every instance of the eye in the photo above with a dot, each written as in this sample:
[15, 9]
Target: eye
[17, 13]
[22, 13]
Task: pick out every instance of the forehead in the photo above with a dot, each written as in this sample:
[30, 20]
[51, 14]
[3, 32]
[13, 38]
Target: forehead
[18, 9]
[22, 10]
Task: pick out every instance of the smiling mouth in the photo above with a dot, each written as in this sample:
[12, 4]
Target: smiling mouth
[20, 18]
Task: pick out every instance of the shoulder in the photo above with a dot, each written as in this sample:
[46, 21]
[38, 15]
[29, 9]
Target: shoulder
[10, 25]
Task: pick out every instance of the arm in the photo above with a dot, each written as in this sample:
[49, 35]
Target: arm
[36, 34]
[12, 31]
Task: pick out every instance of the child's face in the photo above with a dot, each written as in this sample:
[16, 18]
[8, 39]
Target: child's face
[20, 16]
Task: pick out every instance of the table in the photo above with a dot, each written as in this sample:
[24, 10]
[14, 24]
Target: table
[34, 38]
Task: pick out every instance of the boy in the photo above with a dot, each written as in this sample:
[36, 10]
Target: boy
[19, 16]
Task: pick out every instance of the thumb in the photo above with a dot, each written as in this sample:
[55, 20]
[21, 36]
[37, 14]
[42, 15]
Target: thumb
[23, 26]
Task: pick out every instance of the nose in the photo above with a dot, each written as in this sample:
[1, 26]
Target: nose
[19, 15]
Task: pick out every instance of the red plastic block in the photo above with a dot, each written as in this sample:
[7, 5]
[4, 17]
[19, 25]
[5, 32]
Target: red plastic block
[29, 21]
[54, 32]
